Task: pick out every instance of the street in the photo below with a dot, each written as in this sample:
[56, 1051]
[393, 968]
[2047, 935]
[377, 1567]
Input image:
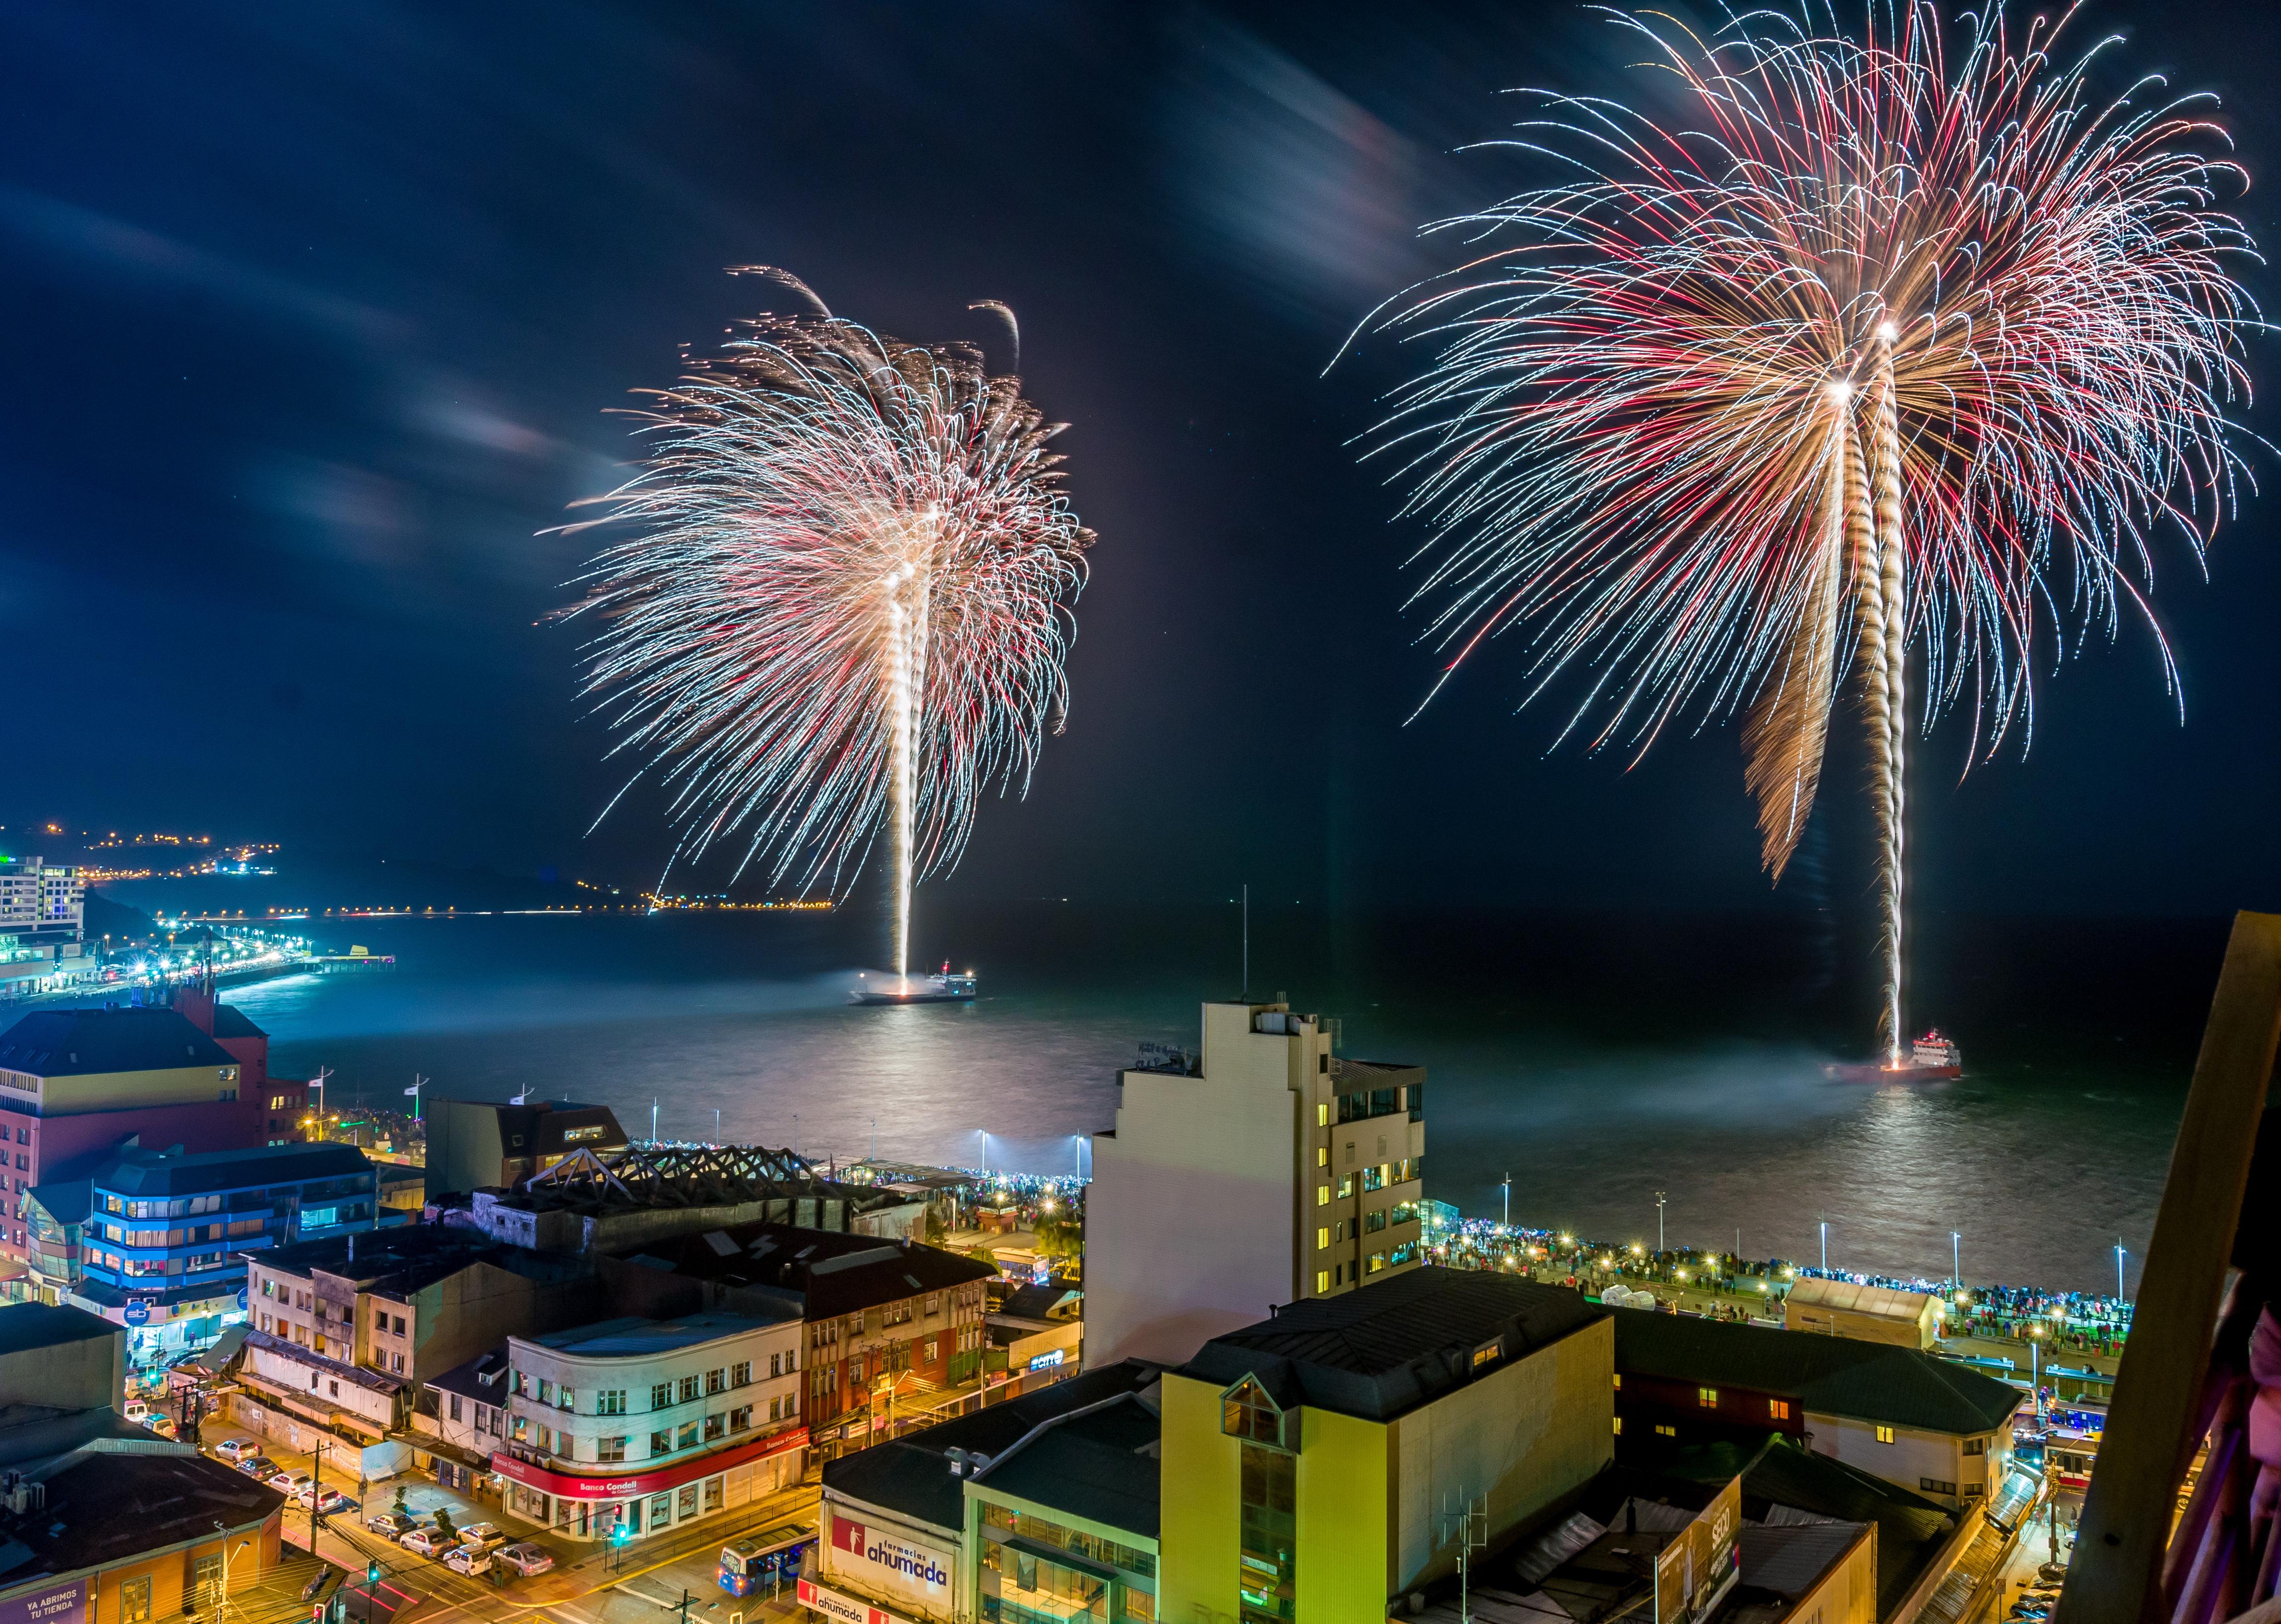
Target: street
[579, 1589]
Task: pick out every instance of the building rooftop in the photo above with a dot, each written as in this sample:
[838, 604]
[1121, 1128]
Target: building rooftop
[630, 1338]
[1835, 1375]
[911, 1475]
[1783, 1482]
[92, 1042]
[483, 1377]
[144, 1173]
[832, 1273]
[400, 1261]
[1101, 1463]
[103, 1508]
[231, 1022]
[26, 1326]
[65, 1199]
[1390, 1347]
[371, 1380]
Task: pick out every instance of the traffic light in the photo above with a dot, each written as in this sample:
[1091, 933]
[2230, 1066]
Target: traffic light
[620, 1535]
[371, 1572]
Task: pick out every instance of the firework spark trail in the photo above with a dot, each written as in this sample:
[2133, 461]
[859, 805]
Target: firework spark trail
[846, 607]
[2017, 301]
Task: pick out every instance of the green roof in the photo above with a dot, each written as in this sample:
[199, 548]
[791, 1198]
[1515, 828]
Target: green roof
[1878, 1382]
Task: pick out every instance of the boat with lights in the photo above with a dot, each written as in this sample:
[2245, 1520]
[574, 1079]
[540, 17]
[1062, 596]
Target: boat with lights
[942, 988]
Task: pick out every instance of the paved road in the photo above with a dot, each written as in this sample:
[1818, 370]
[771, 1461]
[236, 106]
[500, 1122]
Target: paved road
[582, 1588]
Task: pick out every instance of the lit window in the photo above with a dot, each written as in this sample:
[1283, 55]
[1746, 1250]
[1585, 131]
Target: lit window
[1246, 1411]
[1778, 1409]
[1322, 1239]
[1619, 1426]
[1322, 1156]
[1884, 1434]
[1322, 1120]
[1487, 1353]
[1322, 1280]
[1617, 1382]
[1708, 1398]
[1322, 1195]
[1667, 1431]
[1975, 1446]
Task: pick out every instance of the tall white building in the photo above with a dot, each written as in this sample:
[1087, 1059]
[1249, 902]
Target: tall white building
[1265, 1169]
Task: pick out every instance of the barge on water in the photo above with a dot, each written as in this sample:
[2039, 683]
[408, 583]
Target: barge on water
[942, 988]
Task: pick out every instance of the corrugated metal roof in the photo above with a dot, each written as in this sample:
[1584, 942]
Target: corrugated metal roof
[1854, 1298]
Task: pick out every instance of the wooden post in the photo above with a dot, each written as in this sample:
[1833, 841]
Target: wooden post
[2115, 1575]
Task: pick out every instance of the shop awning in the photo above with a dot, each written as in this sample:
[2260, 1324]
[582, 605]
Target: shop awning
[570, 1486]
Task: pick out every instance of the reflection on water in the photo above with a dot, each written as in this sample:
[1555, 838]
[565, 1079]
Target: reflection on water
[2041, 1164]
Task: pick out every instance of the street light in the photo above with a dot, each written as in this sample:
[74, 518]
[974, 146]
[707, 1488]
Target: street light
[2118, 1268]
[1659, 1199]
[1956, 1257]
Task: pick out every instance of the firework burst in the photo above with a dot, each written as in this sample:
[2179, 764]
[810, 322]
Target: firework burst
[846, 608]
[1874, 347]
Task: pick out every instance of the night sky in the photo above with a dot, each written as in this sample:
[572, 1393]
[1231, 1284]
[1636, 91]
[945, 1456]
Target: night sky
[315, 315]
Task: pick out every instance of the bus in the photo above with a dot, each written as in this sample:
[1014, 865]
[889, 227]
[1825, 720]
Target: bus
[767, 1558]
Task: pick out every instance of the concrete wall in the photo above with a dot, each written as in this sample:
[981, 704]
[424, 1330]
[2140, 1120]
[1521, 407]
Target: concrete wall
[87, 1374]
[463, 1144]
[1525, 1435]
[1189, 1226]
[105, 1091]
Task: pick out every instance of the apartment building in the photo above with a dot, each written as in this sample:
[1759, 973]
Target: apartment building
[1265, 1169]
[40, 902]
[344, 1329]
[646, 1424]
[484, 1144]
[164, 1238]
[891, 1327]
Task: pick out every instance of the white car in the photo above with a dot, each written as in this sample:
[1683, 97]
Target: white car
[482, 1535]
[525, 1558]
[327, 1499]
[469, 1560]
[291, 1482]
[426, 1543]
[235, 1450]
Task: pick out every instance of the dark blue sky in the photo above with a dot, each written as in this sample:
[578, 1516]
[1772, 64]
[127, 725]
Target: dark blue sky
[315, 313]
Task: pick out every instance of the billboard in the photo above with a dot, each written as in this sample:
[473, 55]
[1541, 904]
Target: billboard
[54, 1604]
[889, 1563]
[1700, 1566]
[846, 1609]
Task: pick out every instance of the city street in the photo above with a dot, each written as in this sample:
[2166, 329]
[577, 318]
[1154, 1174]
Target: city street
[581, 1588]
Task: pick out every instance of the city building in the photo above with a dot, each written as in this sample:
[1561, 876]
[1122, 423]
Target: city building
[935, 1525]
[891, 1329]
[41, 903]
[597, 1202]
[1318, 1452]
[646, 1424]
[78, 1086]
[346, 1328]
[1264, 1170]
[483, 1144]
[1870, 1314]
[102, 1519]
[1927, 1424]
[165, 1237]
[1037, 1329]
[1636, 1545]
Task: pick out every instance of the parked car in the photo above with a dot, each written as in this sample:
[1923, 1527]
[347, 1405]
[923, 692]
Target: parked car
[136, 1409]
[291, 1482]
[469, 1560]
[389, 1524]
[163, 1425]
[330, 1500]
[525, 1558]
[235, 1450]
[258, 1466]
[425, 1543]
[482, 1535]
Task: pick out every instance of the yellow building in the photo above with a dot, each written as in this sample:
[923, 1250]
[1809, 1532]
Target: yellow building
[1867, 1314]
[1313, 1452]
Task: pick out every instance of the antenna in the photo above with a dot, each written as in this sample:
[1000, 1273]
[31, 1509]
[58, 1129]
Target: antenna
[1247, 941]
[1468, 1530]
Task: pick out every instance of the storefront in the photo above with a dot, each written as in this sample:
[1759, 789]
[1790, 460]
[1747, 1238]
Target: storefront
[588, 1508]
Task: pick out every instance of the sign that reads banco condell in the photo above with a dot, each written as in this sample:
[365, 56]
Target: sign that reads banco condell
[889, 1564]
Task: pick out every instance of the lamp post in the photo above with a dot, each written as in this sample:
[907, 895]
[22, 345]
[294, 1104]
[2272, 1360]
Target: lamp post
[2118, 1268]
[1508, 1202]
[1825, 1246]
[1659, 1199]
[1956, 1258]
